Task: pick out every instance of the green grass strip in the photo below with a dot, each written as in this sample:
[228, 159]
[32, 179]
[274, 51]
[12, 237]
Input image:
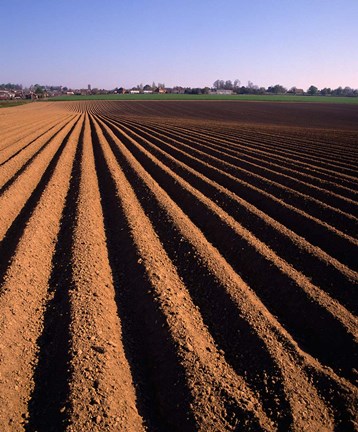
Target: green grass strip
[186, 97]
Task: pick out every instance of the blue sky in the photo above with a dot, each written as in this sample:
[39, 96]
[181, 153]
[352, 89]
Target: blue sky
[109, 43]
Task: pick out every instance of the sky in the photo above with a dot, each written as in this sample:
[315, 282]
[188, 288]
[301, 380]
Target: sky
[114, 43]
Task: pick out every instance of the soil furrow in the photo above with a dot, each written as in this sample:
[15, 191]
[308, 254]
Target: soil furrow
[233, 140]
[178, 266]
[24, 144]
[269, 154]
[298, 156]
[98, 362]
[344, 203]
[283, 281]
[325, 272]
[314, 230]
[332, 215]
[49, 403]
[13, 234]
[216, 405]
[253, 138]
[13, 135]
[287, 139]
[221, 144]
[16, 165]
[15, 197]
[232, 337]
[24, 295]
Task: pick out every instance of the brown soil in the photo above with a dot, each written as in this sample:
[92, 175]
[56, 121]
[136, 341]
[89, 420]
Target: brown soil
[185, 266]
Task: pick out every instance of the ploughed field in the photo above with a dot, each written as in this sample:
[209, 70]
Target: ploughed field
[178, 266]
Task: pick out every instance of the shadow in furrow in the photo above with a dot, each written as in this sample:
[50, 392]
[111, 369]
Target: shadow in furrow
[341, 399]
[238, 160]
[321, 273]
[15, 232]
[27, 163]
[311, 325]
[163, 399]
[27, 145]
[49, 401]
[244, 350]
[316, 234]
[268, 158]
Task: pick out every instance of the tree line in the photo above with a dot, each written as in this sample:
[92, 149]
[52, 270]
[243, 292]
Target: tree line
[233, 86]
[10, 86]
[251, 88]
[236, 87]
[36, 88]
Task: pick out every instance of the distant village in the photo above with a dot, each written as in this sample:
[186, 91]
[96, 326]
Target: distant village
[37, 91]
[220, 87]
[15, 91]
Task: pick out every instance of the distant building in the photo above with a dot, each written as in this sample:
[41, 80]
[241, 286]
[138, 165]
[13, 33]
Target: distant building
[160, 90]
[296, 91]
[221, 92]
[4, 95]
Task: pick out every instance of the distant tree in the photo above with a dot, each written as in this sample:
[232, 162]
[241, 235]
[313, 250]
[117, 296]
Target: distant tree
[242, 90]
[38, 89]
[338, 91]
[251, 88]
[195, 90]
[147, 87]
[277, 89]
[219, 84]
[228, 85]
[65, 88]
[312, 90]
[347, 91]
[153, 85]
[237, 83]
[205, 90]
[326, 91]
[10, 86]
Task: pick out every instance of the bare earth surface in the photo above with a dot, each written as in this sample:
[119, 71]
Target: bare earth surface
[178, 266]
